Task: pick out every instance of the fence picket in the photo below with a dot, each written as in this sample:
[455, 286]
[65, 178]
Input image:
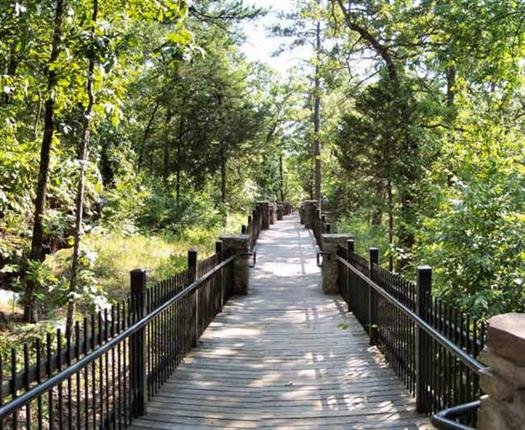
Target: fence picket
[435, 374]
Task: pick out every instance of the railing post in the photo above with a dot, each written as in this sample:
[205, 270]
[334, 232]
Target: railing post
[280, 211]
[373, 256]
[350, 249]
[138, 344]
[239, 245]
[329, 270]
[251, 229]
[328, 229]
[265, 215]
[255, 224]
[243, 229]
[424, 289]
[192, 277]
[309, 214]
[219, 253]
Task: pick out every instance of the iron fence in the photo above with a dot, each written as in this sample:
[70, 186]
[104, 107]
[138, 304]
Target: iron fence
[430, 344]
[113, 361]
[321, 226]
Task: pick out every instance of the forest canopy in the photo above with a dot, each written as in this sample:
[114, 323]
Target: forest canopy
[146, 119]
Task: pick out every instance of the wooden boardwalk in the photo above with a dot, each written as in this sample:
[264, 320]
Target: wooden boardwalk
[285, 356]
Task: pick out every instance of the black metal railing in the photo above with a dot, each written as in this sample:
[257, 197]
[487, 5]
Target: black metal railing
[112, 362]
[102, 374]
[430, 344]
[321, 226]
[451, 418]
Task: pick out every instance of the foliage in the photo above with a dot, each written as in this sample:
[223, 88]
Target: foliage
[177, 130]
[432, 138]
[422, 134]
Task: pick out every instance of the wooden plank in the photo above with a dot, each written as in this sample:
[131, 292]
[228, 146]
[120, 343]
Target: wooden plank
[284, 356]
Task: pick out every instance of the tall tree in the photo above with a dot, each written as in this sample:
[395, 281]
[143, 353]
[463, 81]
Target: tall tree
[83, 156]
[304, 27]
[37, 251]
[317, 112]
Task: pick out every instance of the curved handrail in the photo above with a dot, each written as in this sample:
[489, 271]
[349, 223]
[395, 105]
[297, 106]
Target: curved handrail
[444, 419]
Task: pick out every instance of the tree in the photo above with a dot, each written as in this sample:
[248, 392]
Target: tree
[83, 158]
[37, 252]
[304, 27]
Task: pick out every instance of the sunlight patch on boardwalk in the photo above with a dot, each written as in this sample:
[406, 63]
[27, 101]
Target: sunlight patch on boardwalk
[284, 356]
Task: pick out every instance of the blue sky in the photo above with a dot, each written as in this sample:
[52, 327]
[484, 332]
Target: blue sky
[259, 45]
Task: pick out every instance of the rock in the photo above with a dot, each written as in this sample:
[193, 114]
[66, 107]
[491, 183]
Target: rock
[514, 414]
[241, 266]
[498, 388]
[506, 336]
[490, 416]
[504, 368]
[309, 213]
[329, 269]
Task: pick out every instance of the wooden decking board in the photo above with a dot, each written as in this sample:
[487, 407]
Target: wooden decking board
[283, 357]
[276, 393]
[277, 403]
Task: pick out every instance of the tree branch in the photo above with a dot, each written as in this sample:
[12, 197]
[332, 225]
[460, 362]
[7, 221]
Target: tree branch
[381, 50]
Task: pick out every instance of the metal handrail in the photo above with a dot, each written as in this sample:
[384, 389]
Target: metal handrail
[47, 385]
[444, 419]
[319, 255]
[468, 360]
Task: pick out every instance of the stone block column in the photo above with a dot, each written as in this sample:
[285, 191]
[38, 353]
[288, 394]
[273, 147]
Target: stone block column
[329, 270]
[265, 209]
[241, 266]
[273, 213]
[309, 213]
[280, 211]
[503, 405]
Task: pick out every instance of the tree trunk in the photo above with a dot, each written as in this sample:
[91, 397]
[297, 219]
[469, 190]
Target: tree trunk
[451, 81]
[377, 213]
[281, 177]
[147, 131]
[37, 251]
[179, 154]
[84, 158]
[223, 177]
[166, 162]
[317, 119]
[390, 224]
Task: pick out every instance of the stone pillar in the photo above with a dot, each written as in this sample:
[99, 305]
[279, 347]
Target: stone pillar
[503, 405]
[309, 213]
[265, 215]
[280, 211]
[329, 270]
[273, 213]
[241, 266]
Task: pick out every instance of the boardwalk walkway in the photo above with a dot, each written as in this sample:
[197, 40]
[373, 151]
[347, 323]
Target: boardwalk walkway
[285, 356]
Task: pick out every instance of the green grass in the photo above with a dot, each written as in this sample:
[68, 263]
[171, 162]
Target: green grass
[366, 236]
[162, 255]
[117, 253]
